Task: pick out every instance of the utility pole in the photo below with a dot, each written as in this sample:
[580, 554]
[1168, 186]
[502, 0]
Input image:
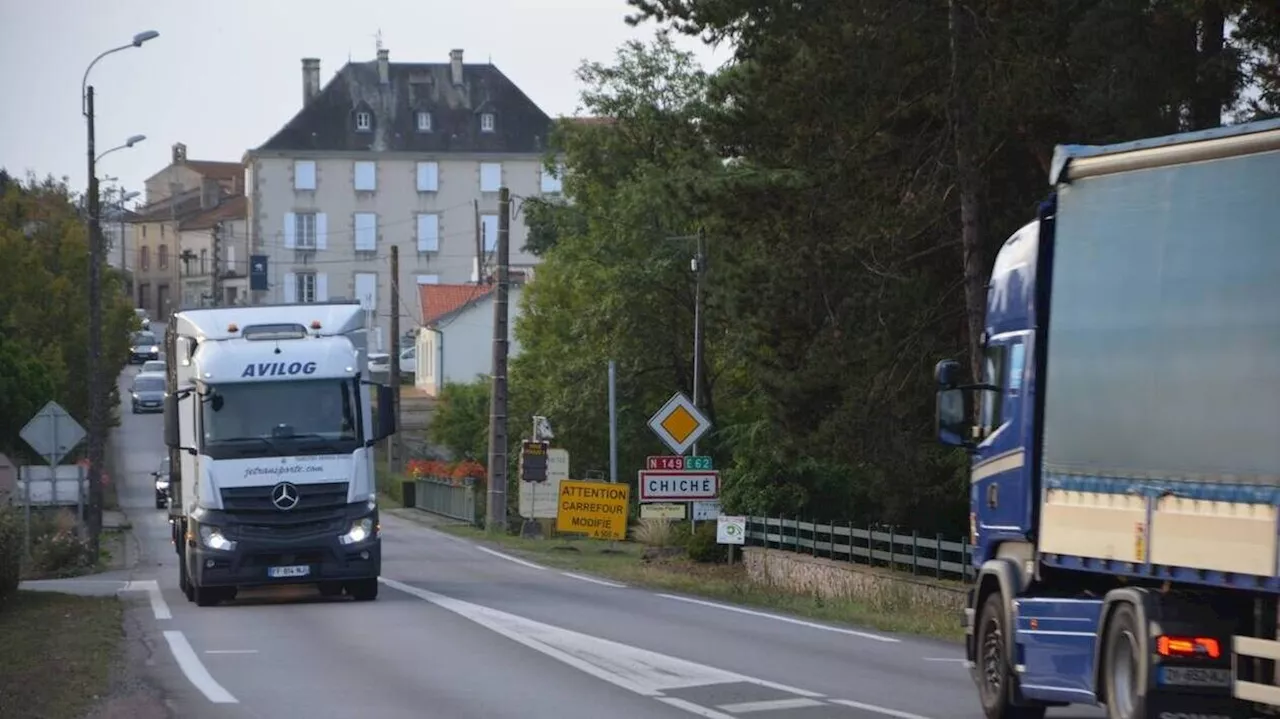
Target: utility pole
[393, 451]
[479, 245]
[699, 270]
[496, 508]
[215, 282]
[97, 427]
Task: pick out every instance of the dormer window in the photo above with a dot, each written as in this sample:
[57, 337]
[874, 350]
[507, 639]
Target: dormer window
[364, 121]
[424, 121]
[486, 122]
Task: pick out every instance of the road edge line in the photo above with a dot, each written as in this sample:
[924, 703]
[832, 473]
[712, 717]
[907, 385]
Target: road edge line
[195, 670]
[784, 618]
[508, 557]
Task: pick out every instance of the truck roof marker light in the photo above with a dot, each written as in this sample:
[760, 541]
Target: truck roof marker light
[1167, 646]
[315, 324]
[232, 328]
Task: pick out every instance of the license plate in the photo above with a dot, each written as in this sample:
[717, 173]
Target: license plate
[1195, 677]
[300, 570]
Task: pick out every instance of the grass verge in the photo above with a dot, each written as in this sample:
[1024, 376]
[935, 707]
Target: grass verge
[622, 561]
[58, 651]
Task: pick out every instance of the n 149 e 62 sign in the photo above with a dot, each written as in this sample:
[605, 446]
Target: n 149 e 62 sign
[668, 486]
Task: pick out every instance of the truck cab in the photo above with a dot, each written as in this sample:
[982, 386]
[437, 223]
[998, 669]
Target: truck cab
[270, 419]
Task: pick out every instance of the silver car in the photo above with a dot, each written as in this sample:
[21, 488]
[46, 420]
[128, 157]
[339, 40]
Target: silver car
[147, 393]
[143, 346]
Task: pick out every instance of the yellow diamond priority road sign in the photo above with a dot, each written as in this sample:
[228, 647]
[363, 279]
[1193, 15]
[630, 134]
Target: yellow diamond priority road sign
[679, 424]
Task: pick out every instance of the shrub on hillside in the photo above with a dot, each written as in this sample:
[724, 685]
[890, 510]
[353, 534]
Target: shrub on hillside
[10, 550]
[702, 547]
[57, 547]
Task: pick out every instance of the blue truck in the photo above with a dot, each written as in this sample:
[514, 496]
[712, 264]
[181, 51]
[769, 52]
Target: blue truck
[1125, 437]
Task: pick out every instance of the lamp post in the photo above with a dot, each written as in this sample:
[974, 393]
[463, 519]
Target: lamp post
[97, 416]
[133, 140]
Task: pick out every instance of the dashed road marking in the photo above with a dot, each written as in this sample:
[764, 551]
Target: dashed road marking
[159, 607]
[956, 660]
[781, 618]
[769, 705]
[896, 714]
[508, 557]
[195, 670]
[593, 580]
[231, 651]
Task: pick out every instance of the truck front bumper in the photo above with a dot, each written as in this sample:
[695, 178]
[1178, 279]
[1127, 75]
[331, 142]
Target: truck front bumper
[256, 561]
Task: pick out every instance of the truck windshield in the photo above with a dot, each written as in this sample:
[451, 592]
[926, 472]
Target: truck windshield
[257, 419]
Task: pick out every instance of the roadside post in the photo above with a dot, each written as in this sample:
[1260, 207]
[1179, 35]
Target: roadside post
[677, 479]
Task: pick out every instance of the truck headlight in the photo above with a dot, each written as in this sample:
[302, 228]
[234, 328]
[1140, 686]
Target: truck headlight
[361, 530]
[133, 395]
[212, 538]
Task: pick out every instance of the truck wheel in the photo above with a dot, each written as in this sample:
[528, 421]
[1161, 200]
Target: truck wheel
[995, 673]
[363, 590]
[184, 583]
[206, 596]
[1124, 666]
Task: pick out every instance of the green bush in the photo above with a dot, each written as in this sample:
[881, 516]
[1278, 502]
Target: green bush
[10, 550]
[701, 545]
[57, 548]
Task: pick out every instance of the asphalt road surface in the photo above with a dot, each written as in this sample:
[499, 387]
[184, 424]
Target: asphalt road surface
[464, 632]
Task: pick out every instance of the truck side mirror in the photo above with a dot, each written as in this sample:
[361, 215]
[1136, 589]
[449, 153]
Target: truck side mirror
[947, 374]
[172, 438]
[955, 417]
[386, 412]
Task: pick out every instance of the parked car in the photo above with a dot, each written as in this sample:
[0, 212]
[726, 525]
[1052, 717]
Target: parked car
[143, 346]
[155, 365]
[161, 477]
[380, 362]
[147, 393]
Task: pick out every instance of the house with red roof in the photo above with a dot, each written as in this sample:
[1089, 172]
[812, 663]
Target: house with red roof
[455, 340]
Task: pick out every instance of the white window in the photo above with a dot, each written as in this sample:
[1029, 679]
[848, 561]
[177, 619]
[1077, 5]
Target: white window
[367, 290]
[424, 121]
[428, 177]
[366, 176]
[490, 176]
[428, 233]
[304, 230]
[304, 287]
[486, 122]
[363, 121]
[489, 231]
[366, 231]
[230, 259]
[475, 269]
[428, 279]
[304, 174]
[552, 180]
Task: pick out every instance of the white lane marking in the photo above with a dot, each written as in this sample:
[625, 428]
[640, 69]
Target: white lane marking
[770, 705]
[195, 669]
[957, 660]
[159, 607]
[593, 580]
[508, 557]
[877, 709]
[781, 618]
[692, 708]
[638, 670]
[231, 651]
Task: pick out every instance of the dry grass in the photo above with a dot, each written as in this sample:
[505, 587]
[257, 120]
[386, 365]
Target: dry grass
[57, 653]
[622, 561]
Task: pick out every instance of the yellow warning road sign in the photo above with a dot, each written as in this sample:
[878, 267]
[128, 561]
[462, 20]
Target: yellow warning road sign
[596, 509]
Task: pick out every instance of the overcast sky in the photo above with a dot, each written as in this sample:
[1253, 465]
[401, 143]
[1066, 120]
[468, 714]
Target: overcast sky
[224, 75]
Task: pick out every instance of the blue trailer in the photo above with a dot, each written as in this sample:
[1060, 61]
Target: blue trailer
[1125, 437]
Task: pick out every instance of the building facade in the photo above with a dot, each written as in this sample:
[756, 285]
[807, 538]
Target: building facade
[214, 258]
[455, 342]
[181, 192]
[394, 154]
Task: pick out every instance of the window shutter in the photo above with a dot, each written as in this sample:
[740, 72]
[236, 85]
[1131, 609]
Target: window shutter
[428, 279]
[290, 230]
[490, 176]
[304, 175]
[428, 233]
[290, 288]
[366, 227]
[428, 177]
[322, 287]
[366, 176]
[489, 223]
[367, 290]
[322, 231]
[231, 257]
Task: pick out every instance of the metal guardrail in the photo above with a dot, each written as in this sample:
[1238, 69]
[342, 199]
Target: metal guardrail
[921, 556]
[446, 499]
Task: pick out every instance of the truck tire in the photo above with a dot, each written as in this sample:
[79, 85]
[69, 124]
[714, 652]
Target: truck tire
[1125, 666]
[363, 590]
[995, 673]
[206, 596]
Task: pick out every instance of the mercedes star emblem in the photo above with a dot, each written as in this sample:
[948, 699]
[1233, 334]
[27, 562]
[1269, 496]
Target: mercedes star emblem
[284, 496]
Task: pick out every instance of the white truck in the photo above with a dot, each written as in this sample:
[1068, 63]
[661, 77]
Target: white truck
[269, 422]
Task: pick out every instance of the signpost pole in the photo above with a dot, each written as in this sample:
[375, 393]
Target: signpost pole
[613, 421]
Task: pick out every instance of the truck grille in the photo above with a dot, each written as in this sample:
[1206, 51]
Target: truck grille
[320, 508]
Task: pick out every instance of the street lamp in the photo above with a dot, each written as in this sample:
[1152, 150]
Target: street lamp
[97, 415]
[127, 144]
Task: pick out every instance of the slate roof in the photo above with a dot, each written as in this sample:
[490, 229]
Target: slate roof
[328, 121]
[231, 208]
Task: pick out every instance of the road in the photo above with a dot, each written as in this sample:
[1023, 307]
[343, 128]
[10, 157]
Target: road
[461, 631]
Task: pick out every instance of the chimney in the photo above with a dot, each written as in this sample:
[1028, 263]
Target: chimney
[310, 79]
[455, 66]
[384, 66]
[179, 153]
